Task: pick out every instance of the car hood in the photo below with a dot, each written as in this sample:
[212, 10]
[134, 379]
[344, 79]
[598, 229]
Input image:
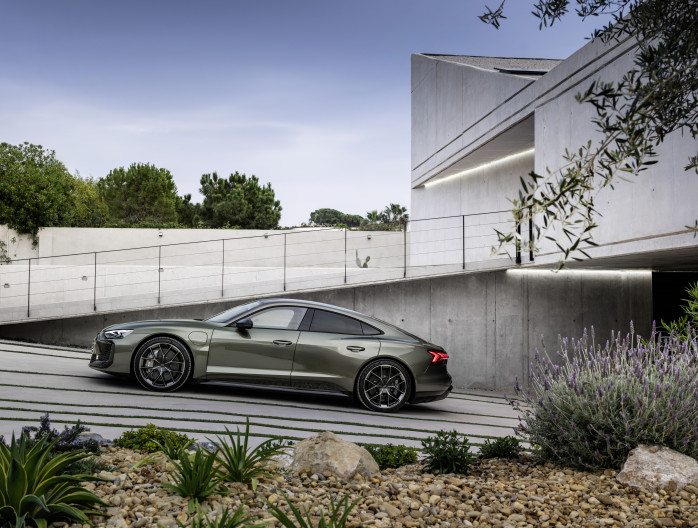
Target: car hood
[138, 325]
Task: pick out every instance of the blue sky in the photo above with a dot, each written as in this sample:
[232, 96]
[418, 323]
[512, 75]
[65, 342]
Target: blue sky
[312, 96]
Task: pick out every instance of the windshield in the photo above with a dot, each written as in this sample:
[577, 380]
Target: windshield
[231, 314]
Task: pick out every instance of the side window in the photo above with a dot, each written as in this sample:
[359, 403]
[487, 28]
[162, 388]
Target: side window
[369, 330]
[281, 318]
[335, 323]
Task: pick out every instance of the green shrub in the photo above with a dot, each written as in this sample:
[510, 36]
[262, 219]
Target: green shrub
[507, 447]
[601, 402]
[37, 491]
[338, 512]
[226, 519]
[196, 477]
[391, 456]
[68, 440]
[151, 438]
[239, 463]
[448, 452]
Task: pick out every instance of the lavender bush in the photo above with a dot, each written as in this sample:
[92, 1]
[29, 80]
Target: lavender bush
[601, 402]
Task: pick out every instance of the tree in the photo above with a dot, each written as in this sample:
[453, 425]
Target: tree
[36, 190]
[395, 214]
[633, 115]
[332, 217]
[239, 202]
[141, 194]
[187, 212]
[373, 217]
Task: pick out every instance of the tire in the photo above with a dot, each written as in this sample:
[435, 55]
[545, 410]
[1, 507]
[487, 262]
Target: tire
[383, 385]
[162, 364]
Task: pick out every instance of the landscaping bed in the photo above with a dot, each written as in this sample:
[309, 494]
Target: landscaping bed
[498, 492]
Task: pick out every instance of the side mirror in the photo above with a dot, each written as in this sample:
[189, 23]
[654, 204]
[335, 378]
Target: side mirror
[244, 324]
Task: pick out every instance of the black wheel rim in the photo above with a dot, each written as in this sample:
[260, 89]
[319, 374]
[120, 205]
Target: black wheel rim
[162, 365]
[385, 386]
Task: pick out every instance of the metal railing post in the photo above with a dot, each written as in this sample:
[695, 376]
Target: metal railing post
[284, 261]
[518, 242]
[463, 238]
[530, 235]
[94, 292]
[159, 270]
[223, 270]
[404, 250]
[29, 286]
[345, 255]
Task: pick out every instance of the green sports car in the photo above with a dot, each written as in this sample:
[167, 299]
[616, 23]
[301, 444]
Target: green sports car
[280, 342]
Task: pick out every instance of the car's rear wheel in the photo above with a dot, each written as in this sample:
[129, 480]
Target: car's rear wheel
[383, 385]
[162, 364]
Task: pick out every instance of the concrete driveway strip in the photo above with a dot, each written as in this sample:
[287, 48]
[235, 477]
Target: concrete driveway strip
[35, 380]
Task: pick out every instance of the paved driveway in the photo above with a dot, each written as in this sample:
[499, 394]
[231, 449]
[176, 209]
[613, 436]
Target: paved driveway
[36, 379]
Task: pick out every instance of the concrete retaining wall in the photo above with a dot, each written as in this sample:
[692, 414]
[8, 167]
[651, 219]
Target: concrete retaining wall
[489, 322]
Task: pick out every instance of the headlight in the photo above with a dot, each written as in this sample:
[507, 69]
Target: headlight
[116, 334]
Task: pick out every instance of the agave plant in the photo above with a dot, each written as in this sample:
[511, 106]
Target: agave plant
[36, 490]
[338, 514]
[226, 519]
[196, 477]
[242, 464]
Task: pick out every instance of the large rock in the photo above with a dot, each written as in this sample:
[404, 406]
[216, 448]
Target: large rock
[656, 467]
[327, 452]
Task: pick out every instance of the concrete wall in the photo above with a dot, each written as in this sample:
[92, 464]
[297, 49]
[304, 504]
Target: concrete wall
[489, 322]
[461, 113]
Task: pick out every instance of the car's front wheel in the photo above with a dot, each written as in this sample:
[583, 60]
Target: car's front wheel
[383, 385]
[162, 364]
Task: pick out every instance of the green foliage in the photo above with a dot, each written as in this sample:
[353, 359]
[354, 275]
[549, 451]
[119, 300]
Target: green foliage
[174, 449]
[195, 476]
[187, 212]
[36, 490]
[143, 193]
[338, 514]
[391, 456]
[240, 463]
[36, 190]
[239, 202]
[682, 325]
[599, 402]
[226, 519]
[151, 438]
[633, 115]
[448, 452]
[332, 217]
[506, 447]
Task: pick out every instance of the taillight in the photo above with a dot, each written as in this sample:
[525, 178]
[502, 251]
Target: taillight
[438, 357]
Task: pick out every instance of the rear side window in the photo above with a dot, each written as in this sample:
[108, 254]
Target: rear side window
[334, 323]
[369, 330]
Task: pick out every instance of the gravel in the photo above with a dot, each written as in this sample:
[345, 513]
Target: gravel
[499, 492]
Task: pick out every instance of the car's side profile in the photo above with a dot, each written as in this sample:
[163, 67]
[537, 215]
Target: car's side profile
[280, 342]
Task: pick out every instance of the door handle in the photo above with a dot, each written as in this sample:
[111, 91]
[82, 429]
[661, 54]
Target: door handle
[281, 342]
[355, 348]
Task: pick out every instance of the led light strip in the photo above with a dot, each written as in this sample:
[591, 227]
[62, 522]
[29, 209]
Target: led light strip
[483, 166]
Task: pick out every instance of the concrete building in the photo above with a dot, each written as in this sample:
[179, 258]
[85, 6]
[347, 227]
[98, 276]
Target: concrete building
[478, 125]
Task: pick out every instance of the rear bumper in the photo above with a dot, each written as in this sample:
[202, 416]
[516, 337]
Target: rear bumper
[424, 397]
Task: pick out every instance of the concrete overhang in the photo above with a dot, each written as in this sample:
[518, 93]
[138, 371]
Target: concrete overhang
[516, 139]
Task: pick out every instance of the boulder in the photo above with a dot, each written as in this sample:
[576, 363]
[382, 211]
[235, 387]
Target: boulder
[657, 467]
[327, 452]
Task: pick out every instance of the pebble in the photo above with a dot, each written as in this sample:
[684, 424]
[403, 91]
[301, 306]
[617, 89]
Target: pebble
[498, 493]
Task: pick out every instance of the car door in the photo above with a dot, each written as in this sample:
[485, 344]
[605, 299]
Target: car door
[261, 354]
[331, 351]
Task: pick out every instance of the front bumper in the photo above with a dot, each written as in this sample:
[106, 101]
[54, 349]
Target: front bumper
[102, 354]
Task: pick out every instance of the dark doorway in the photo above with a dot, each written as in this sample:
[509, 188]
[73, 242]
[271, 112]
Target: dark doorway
[668, 294]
